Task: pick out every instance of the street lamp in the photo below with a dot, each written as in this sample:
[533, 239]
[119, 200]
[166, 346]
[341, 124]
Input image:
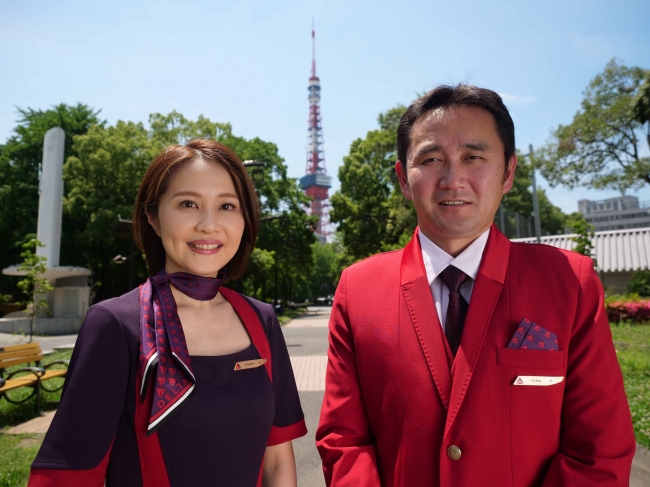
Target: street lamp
[257, 174]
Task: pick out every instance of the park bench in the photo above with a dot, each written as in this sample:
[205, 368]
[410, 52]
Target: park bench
[30, 376]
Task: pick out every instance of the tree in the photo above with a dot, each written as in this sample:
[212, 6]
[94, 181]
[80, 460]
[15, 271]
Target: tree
[20, 159]
[324, 271]
[639, 283]
[33, 286]
[369, 208]
[520, 200]
[600, 148]
[585, 233]
[641, 105]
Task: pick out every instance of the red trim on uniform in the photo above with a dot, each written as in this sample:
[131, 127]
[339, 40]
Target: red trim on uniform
[152, 463]
[252, 324]
[42, 477]
[287, 433]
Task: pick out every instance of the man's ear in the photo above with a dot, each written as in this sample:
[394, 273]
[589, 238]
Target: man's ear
[403, 182]
[509, 176]
[153, 221]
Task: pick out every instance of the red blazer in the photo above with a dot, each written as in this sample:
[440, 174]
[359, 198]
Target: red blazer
[393, 404]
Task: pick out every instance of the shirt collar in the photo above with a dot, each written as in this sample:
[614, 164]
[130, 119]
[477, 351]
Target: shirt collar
[436, 260]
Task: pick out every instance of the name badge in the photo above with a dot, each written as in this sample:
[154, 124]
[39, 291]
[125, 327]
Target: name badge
[536, 380]
[250, 364]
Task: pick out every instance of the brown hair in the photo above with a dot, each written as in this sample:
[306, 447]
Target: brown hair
[156, 181]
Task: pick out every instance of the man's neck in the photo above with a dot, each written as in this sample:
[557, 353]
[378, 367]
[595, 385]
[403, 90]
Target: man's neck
[454, 246]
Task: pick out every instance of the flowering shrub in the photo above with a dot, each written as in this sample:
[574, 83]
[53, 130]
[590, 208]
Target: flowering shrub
[627, 308]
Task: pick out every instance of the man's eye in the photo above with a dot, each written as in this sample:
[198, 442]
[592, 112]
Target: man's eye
[475, 158]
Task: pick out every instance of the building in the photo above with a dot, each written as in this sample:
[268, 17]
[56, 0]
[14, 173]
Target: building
[616, 213]
[618, 254]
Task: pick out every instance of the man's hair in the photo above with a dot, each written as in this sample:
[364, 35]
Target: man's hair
[156, 181]
[445, 96]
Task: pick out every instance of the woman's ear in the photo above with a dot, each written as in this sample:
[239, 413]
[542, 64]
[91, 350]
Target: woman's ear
[153, 221]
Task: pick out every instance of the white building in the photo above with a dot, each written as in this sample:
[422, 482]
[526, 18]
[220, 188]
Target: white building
[618, 254]
[615, 213]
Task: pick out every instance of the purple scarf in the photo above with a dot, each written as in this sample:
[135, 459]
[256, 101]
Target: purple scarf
[163, 350]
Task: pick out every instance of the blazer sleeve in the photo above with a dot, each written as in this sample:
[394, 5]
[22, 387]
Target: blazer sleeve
[344, 437]
[597, 441]
[76, 449]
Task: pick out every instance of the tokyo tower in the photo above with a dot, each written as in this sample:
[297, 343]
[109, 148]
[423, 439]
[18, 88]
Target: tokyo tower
[316, 182]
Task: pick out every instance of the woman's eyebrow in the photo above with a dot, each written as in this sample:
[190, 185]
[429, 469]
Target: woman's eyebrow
[197, 195]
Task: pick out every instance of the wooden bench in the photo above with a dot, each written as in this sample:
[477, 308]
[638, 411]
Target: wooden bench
[27, 376]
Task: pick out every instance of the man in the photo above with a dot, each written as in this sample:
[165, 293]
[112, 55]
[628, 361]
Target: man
[465, 359]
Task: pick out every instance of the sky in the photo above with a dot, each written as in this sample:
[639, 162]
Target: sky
[247, 62]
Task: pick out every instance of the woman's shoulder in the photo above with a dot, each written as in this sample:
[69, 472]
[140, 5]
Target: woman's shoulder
[122, 311]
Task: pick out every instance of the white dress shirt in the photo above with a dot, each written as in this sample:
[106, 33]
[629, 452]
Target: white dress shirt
[436, 260]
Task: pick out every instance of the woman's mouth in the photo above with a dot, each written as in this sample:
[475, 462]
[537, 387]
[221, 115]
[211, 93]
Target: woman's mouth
[205, 247]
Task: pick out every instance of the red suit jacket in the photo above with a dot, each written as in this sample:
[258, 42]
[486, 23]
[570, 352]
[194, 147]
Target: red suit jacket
[396, 400]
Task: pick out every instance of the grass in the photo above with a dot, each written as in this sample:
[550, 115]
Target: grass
[289, 314]
[18, 451]
[632, 344]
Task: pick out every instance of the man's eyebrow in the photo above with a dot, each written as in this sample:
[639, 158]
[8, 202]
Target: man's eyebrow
[197, 195]
[481, 146]
[427, 148]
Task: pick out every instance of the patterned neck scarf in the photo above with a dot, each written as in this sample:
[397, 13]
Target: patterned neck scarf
[163, 350]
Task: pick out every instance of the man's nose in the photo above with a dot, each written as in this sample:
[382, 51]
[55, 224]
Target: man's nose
[453, 176]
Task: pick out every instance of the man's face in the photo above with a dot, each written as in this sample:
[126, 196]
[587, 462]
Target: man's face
[455, 173]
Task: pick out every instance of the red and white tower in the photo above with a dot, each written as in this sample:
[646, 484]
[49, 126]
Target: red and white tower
[316, 182]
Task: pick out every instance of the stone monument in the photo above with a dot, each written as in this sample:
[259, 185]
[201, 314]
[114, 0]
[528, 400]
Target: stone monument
[68, 302]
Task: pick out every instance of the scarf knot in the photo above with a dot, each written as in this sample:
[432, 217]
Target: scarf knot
[164, 358]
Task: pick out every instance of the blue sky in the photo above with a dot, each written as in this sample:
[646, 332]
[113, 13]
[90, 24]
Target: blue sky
[247, 62]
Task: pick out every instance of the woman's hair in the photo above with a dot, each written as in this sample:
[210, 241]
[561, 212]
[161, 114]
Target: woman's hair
[156, 181]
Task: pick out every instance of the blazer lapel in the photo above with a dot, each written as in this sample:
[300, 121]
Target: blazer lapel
[424, 318]
[485, 294]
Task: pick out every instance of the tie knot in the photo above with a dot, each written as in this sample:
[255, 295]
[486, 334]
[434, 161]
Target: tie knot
[453, 278]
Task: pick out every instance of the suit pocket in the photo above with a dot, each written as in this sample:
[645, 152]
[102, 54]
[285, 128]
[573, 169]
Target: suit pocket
[531, 359]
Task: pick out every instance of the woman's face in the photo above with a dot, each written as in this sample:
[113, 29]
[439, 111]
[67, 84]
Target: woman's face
[199, 219]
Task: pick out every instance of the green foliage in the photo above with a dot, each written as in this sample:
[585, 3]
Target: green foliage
[585, 233]
[20, 158]
[520, 200]
[641, 105]
[600, 148]
[632, 345]
[639, 284]
[33, 286]
[369, 208]
[324, 272]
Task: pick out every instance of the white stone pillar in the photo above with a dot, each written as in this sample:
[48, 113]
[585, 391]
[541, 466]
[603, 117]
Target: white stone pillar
[50, 202]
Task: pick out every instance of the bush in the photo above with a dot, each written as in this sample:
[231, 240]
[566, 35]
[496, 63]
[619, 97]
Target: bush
[640, 283]
[630, 307]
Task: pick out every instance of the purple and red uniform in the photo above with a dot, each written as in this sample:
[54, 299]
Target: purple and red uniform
[217, 437]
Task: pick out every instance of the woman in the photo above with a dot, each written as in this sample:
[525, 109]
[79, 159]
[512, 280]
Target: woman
[180, 382]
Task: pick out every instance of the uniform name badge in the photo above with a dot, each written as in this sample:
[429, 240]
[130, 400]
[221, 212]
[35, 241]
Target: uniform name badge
[536, 380]
[250, 364]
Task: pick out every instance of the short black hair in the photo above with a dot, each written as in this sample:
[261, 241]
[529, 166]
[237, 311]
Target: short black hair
[445, 96]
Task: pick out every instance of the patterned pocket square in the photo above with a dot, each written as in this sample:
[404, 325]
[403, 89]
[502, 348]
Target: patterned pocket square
[531, 336]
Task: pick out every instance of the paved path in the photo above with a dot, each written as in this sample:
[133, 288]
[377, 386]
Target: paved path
[47, 342]
[306, 339]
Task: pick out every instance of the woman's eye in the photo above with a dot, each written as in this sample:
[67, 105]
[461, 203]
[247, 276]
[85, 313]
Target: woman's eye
[228, 206]
[188, 204]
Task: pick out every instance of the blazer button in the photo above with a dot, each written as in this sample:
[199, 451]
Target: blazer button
[454, 452]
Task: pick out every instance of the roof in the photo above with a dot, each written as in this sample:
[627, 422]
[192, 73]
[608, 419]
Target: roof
[615, 250]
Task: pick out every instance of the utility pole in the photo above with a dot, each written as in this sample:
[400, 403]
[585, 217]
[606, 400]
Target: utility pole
[538, 225]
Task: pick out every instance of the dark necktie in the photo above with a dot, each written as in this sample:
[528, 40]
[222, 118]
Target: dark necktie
[454, 278]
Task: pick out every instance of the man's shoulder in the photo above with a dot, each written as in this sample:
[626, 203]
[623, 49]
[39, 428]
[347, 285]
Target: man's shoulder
[378, 264]
[535, 255]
